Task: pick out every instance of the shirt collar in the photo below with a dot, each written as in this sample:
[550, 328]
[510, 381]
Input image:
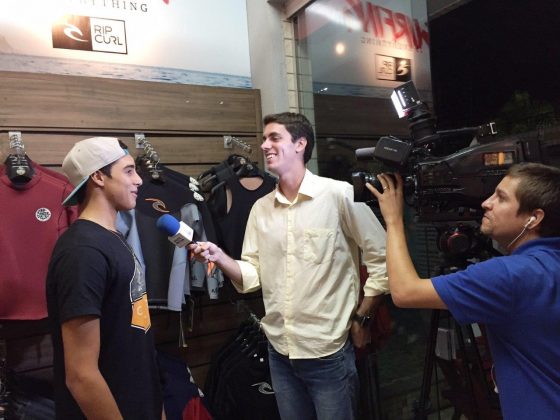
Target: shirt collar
[309, 188]
[544, 242]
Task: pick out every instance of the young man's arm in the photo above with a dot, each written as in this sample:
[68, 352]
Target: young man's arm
[81, 342]
[408, 290]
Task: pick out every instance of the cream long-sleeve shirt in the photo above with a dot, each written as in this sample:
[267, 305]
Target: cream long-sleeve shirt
[304, 255]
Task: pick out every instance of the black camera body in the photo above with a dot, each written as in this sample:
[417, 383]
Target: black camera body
[443, 188]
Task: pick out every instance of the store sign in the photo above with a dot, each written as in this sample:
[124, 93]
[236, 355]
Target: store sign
[363, 47]
[174, 41]
[90, 34]
[386, 24]
[393, 68]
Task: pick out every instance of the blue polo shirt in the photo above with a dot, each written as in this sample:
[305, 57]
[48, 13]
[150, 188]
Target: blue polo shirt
[517, 297]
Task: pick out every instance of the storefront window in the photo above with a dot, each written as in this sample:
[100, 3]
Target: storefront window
[351, 55]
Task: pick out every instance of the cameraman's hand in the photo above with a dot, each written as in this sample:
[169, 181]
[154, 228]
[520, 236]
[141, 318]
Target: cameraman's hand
[391, 198]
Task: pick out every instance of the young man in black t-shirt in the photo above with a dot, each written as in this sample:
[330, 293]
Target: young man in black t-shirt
[104, 357]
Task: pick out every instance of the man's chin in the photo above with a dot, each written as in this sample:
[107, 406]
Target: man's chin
[272, 169]
[485, 230]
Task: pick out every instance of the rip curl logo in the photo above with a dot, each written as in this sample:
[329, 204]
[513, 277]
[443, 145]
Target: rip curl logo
[158, 205]
[72, 31]
[43, 214]
[264, 388]
[88, 33]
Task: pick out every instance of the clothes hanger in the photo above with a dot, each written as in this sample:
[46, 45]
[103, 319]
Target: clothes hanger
[148, 161]
[18, 165]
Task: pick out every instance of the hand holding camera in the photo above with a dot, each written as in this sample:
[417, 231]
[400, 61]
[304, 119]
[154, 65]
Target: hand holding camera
[388, 190]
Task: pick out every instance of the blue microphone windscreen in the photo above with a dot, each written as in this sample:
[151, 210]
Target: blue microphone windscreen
[168, 224]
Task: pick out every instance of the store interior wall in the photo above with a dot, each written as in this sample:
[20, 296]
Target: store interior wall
[185, 124]
[267, 54]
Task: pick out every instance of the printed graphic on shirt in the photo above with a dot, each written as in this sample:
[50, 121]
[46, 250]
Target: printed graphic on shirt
[264, 388]
[139, 300]
[43, 214]
[158, 205]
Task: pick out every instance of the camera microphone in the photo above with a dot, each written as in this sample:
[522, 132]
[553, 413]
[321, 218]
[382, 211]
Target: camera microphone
[365, 153]
[178, 233]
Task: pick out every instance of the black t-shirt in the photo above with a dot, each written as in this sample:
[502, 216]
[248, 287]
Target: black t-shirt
[93, 272]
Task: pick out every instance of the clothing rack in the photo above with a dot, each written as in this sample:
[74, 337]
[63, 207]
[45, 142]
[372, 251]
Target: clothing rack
[231, 141]
[236, 369]
[149, 158]
[242, 307]
[235, 165]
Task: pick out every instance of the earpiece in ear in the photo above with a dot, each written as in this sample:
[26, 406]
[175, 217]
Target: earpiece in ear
[531, 220]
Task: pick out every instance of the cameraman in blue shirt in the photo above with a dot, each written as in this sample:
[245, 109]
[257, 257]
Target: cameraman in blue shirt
[516, 296]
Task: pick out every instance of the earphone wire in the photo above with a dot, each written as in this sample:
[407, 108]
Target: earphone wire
[518, 236]
[494, 379]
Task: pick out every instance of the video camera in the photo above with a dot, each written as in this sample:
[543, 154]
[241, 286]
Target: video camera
[442, 188]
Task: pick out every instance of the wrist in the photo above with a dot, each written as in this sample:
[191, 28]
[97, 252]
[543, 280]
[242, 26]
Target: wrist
[362, 320]
[218, 256]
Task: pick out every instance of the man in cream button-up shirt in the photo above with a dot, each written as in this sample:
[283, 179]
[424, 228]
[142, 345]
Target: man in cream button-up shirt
[311, 287]
[302, 248]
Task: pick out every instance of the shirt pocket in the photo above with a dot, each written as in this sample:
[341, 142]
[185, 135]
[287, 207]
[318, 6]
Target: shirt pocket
[318, 245]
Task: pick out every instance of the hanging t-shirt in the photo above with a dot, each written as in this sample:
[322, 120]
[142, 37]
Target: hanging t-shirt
[32, 218]
[163, 261]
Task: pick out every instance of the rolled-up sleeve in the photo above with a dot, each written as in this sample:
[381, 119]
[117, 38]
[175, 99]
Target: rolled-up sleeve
[363, 226]
[249, 263]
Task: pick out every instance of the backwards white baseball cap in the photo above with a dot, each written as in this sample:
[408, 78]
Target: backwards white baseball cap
[87, 157]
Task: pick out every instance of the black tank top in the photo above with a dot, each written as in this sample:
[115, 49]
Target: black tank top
[231, 225]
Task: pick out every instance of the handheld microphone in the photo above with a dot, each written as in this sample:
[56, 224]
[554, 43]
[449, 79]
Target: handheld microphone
[178, 233]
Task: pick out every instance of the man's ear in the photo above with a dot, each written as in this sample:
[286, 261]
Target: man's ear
[538, 216]
[301, 143]
[98, 178]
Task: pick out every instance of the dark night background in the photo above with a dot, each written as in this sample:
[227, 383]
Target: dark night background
[485, 50]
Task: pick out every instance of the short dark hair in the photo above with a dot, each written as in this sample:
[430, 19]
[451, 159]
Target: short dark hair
[539, 188]
[298, 126]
